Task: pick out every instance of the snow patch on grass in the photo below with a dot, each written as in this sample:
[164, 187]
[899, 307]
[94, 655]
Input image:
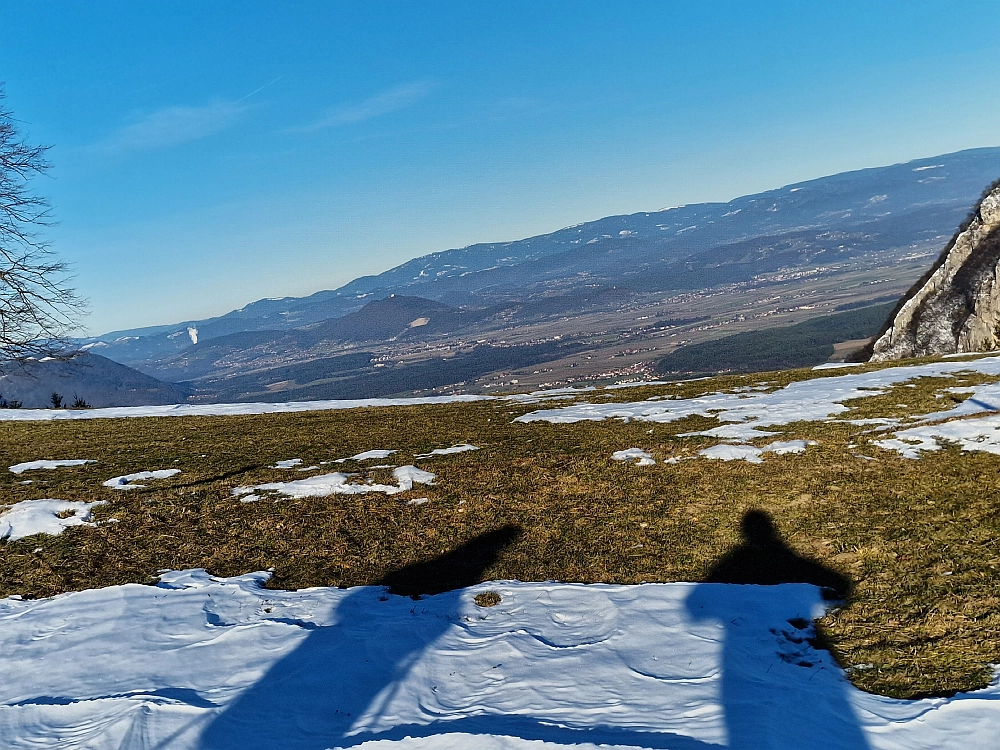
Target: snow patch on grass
[366, 456]
[127, 481]
[982, 434]
[448, 451]
[643, 458]
[33, 465]
[745, 416]
[752, 454]
[223, 410]
[337, 483]
[46, 516]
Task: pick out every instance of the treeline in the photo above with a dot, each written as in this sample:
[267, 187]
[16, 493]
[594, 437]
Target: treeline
[801, 345]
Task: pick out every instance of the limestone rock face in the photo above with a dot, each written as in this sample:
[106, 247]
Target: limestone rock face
[956, 308]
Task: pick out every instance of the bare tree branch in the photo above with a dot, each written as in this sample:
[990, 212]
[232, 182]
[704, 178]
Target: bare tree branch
[38, 308]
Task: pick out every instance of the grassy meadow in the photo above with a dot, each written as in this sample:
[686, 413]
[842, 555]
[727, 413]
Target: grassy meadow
[919, 538]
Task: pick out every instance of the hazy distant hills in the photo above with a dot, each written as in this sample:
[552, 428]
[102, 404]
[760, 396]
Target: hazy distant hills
[89, 377]
[446, 319]
[677, 248]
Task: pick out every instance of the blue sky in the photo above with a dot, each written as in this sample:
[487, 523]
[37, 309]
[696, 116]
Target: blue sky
[208, 154]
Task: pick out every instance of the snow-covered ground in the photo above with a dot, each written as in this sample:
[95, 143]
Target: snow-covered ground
[981, 434]
[44, 516]
[747, 415]
[34, 465]
[223, 664]
[461, 448]
[367, 455]
[216, 410]
[642, 458]
[729, 452]
[338, 483]
[130, 481]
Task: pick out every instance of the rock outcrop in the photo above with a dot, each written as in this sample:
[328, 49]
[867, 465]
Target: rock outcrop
[955, 307]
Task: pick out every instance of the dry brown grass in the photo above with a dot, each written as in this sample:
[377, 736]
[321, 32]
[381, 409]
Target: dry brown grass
[921, 539]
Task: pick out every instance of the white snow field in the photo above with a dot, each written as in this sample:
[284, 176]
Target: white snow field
[203, 663]
[33, 465]
[43, 517]
[217, 410]
[129, 481]
[336, 483]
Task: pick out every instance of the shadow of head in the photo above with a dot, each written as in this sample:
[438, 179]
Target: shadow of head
[764, 559]
[463, 566]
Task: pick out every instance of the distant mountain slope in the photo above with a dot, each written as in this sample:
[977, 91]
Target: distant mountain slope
[687, 247]
[92, 378]
[389, 319]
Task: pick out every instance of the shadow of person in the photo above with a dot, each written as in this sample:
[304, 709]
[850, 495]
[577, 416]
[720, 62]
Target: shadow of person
[764, 559]
[777, 688]
[339, 678]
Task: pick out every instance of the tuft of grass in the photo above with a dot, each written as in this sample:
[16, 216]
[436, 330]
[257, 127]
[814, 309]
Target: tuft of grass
[919, 539]
[488, 599]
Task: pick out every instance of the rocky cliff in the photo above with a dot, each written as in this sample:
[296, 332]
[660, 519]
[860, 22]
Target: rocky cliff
[955, 307]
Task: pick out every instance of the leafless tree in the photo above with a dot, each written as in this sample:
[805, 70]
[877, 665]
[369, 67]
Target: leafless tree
[38, 308]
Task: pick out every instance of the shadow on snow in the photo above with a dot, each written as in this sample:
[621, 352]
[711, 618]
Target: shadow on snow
[314, 697]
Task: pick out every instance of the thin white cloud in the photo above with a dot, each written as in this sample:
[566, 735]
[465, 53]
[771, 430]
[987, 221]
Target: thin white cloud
[393, 100]
[172, 126]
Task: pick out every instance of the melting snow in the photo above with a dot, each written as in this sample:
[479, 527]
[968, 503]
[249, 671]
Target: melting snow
[752, 454]
[287, 463]
[43, 517]
[126, 482]
[744, 416]
[337, 484]
[838, 365]
[448, 451]
[366, 456]
[217, 410]
[203, 663]
[982, 434]
[637, 384]
[643, 458]
[32, 465]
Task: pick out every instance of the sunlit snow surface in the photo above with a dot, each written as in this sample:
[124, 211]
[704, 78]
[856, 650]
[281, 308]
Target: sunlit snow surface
[747, 415]
[982, 434]
[642, 458]
[338, 483]
[216, 410]
[461, 448]
[43, 516]
[130, 481]
[33, 465]
[367, 456]
[751, 454]
[223, 664]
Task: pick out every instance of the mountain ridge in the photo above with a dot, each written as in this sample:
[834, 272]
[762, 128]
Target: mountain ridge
[441, 273]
